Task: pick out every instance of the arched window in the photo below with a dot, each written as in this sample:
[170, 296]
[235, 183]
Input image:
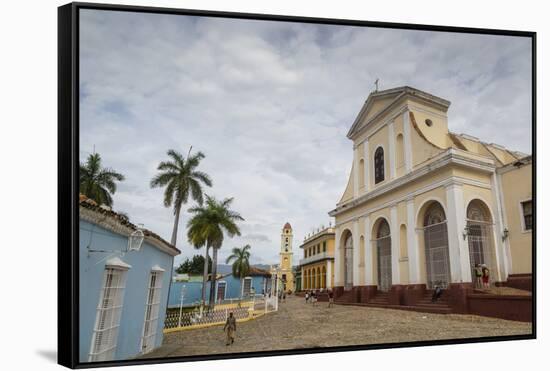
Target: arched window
[379, 165]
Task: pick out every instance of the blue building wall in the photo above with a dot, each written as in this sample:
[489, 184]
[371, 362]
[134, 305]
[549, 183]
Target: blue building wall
[193, 290]
[92, 267]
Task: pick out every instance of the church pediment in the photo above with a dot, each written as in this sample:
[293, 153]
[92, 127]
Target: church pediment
[379, 102]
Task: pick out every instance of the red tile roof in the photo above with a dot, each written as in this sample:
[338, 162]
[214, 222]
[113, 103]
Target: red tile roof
[90, 204]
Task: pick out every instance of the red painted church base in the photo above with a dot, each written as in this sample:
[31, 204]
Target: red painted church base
[458, 297]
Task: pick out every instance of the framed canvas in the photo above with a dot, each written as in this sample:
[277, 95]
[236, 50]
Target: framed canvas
[242, 185]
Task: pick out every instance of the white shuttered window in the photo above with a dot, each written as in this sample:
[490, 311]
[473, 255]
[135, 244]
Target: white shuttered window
[152, 305]
[109, 309]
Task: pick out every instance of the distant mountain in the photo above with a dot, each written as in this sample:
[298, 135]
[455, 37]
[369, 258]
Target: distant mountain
[226, 268]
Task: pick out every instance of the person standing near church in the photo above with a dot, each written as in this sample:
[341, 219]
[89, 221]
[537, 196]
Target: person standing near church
[485, 277]
[229, 329]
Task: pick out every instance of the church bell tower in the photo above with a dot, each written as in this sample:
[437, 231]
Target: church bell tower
[285, 267]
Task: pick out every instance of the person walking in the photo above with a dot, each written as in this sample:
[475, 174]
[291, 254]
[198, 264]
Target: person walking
[330, 298]
[229, 329]
[307, 296]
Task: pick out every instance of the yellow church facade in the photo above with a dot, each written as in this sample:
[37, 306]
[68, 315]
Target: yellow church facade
[423, 206]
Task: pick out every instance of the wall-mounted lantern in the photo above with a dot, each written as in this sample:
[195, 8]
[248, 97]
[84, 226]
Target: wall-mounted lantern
[505, 233]
[135, 240]
[465, 232]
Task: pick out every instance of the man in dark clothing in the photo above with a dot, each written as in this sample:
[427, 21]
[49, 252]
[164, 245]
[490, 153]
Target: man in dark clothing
[438, 291]
[330, 298]
[229, 329]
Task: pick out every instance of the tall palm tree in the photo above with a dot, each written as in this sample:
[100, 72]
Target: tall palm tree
[241, 264]
[206, 228]
[96, 182]
[181, 179]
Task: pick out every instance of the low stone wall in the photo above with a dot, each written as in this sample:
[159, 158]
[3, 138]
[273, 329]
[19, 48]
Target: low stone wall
[520, 281]
[512, 307]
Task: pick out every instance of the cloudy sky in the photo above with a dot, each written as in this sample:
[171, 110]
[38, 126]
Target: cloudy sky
[269, 104]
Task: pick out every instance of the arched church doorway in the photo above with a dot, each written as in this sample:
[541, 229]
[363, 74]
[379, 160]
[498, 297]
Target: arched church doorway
[480, 238]
[383, 248]
[436, 247]
[348, 262]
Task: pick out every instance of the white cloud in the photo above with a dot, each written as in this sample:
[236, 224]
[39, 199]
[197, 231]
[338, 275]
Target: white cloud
[270, 103]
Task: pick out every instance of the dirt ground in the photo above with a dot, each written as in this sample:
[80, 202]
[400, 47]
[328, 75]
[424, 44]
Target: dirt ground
[300, 325]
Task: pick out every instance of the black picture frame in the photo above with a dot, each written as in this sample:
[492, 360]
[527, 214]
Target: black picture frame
[68, 162]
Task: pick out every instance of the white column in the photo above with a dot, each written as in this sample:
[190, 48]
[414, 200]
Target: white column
[458, 247]
[394, 233]
[356, 172]
[407, 141]
[329, 274]
[368, 253]
[303, 279]
[366, 163]
[412, 244]
[338, 281]
[500, 246]
[356, 247]
[391, 150]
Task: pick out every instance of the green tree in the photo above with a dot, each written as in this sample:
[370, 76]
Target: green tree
[206, 228]
[181, 179]
[241, 262]
[98, 183]
[194, 265]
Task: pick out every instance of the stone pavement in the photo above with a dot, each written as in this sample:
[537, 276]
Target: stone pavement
[300, 325]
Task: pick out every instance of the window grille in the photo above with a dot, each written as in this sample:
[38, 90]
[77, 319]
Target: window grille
[527, 208]
[109, 309]
[247, 285]
[152, 306]
[378, 165]
[437, 247]
[383, 244]
[348, 263]
[221, 290]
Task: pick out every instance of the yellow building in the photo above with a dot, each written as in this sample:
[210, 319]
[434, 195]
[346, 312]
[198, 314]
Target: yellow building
[283, 271]
[424, 205]
[317, 266]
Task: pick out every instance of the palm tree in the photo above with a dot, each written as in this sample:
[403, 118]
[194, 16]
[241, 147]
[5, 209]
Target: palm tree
[241, 265]
[181, 179]
[206, 228]
[98, 183]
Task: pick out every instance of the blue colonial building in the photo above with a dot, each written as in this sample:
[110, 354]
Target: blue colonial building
[258, 281]
[125, 273]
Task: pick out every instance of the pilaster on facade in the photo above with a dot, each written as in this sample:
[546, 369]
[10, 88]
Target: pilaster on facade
[502, 247]
[395, 245]
[391, 149]
[368, 253]
[458, 246]
[338, 280]
[366, 162]
[412, 244]
[356, 239]
[407, 141]
[356, 172]
[329, 274]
